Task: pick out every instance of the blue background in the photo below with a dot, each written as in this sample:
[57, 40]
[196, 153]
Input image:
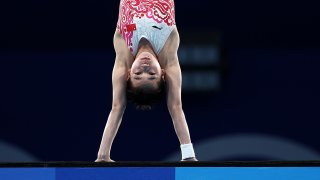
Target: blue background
[56, 59]
[178, 173]
[262, 173]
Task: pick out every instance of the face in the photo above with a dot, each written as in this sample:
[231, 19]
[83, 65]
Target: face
[145, 69]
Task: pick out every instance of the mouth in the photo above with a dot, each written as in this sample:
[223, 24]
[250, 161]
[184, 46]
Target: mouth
[145, 59]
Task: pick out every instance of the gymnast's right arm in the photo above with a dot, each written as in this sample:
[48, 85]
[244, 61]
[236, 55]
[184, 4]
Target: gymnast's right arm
[119, 80]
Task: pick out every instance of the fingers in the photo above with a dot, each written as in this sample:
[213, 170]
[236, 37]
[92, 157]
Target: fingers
[104, 160]
[190, 159]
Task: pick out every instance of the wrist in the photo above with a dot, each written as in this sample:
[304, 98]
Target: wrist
[103, 155]
[187, 151]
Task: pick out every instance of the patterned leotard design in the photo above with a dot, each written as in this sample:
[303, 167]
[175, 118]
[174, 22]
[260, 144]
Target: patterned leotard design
[138, 14]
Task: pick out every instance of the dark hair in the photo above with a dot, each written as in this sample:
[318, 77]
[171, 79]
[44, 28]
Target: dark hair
[144, 97]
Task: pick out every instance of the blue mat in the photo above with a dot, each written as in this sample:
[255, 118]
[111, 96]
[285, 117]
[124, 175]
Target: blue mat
[161, 173]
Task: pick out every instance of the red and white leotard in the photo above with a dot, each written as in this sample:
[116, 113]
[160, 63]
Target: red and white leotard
[150, 19]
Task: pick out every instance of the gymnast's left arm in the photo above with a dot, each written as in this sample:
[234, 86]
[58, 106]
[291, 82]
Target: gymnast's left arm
[174, 103]
[173, 79]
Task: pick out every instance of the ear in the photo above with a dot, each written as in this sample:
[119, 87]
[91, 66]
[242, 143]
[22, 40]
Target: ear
[128, 74]
[163, 75]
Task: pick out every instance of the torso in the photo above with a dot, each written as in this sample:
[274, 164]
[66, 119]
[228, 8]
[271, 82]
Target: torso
[152, 20]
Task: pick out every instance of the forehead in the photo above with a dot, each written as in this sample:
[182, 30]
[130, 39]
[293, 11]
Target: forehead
[138, 75]
[144, 81]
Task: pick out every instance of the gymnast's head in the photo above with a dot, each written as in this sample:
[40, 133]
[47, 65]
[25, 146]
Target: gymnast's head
[145, 85]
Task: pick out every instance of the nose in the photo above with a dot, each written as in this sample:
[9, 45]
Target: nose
[146, 68]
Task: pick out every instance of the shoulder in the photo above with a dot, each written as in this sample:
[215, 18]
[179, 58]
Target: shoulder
[119, 43]
[173, 41]
[170, 49]
[120, 46]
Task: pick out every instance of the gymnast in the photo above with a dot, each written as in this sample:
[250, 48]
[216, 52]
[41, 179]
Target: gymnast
[146, 68]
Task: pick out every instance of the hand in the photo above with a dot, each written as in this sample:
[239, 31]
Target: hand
[103, 158]
[190, 159]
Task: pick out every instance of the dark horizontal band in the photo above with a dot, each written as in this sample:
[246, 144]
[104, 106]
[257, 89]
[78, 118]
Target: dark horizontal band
[168, 164]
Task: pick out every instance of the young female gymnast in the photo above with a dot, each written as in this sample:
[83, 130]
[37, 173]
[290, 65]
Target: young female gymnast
[146, 68]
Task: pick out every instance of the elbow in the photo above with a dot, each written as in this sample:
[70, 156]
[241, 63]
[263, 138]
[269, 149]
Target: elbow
[118, 107]
[175, 107]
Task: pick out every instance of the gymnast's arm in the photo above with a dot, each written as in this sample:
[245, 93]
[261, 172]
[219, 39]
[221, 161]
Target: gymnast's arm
[174, 82]
[119, 80]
